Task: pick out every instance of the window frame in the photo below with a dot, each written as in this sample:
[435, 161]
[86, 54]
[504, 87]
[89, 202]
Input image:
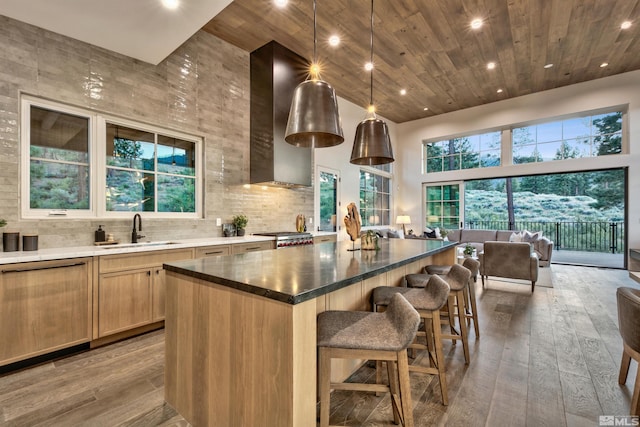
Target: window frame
[97, 122]
[384, 174]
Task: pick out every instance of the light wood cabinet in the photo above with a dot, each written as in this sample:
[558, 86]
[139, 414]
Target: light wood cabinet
[124, 301]
[241, 248]
[131, 289]
[208, 251]
[324, 239]
[44, 306]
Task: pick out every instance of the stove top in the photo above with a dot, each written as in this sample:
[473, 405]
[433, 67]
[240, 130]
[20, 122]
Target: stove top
[284, 234]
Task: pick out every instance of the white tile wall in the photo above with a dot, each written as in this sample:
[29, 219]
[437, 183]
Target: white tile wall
[202, 88]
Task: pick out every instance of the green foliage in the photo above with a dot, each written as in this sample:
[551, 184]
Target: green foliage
[3, 222]
[240, 221]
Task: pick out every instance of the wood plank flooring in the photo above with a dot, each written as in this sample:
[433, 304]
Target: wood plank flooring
[545, 359]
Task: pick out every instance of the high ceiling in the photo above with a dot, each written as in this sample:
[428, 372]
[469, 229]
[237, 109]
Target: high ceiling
[428, 47]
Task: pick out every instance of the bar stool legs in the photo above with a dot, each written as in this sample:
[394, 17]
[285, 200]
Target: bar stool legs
[427, 301]
[369, 336]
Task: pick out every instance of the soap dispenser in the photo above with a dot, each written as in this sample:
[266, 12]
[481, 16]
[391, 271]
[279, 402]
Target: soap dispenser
[100, 235]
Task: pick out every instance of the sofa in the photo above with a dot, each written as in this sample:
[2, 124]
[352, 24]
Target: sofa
[542, 246]
[513, 260]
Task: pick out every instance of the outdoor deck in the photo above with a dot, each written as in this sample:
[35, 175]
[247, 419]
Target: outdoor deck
[595, 259]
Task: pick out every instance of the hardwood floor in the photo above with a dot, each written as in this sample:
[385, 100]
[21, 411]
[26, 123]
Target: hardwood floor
[545, 359]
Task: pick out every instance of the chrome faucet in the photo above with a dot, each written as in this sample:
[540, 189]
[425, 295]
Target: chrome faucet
[134, 234]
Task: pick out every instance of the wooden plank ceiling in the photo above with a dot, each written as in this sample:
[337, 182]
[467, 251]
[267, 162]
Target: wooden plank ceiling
[428, 47]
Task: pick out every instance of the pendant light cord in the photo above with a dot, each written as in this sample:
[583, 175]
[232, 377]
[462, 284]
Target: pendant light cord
[315, 39]
[371, 59]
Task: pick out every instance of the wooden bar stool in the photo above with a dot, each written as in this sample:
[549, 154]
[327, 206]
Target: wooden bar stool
[428, 302]
[471, 312]
[458, 280]
[374, 336]
[629, 325]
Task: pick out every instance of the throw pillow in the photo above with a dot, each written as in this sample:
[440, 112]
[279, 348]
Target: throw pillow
[393, 234]
[516, 237]
[430, 234]
[437, 230]
[400, 233]
[531, 237]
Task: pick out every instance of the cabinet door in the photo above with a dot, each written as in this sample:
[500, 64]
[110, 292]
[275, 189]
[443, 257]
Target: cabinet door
[124, 301]
[44, 306]
[158, 294]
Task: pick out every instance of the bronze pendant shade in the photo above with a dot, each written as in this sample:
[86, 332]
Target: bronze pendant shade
[314, 121]
[372, 144]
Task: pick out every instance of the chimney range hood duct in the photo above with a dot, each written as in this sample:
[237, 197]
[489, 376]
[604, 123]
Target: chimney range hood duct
[275, 73]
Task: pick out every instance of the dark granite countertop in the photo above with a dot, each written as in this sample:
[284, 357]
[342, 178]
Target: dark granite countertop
[297, 274]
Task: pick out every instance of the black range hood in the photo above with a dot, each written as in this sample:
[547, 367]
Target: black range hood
[275, 73]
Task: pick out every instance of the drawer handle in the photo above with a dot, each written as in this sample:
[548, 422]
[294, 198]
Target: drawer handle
[255, 248]
[23, 270]
[213, 253]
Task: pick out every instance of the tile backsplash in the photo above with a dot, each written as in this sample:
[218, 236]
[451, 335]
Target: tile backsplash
[202, 88]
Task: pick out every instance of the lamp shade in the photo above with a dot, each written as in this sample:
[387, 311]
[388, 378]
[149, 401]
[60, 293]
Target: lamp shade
[403, 219]
[372, 145]
[314, 121]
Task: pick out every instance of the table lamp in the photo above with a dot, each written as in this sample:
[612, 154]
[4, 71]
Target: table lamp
[404, 220]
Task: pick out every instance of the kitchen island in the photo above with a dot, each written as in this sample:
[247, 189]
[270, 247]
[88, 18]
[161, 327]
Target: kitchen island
[241, 329]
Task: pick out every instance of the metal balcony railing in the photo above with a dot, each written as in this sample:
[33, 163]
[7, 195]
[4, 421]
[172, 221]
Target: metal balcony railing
[593, 236]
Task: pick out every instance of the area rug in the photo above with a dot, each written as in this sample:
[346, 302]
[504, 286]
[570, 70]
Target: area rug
[545, 280]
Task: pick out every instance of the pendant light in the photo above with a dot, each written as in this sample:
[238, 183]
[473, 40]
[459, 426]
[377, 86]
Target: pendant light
[372, 145]
[313, 119]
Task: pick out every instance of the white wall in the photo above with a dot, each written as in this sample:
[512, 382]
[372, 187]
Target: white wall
[337, 158]
[619, 90]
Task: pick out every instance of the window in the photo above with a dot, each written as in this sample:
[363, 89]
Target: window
[466, 152]
[59, 160]
[375, 198]
[577, 137]
[148, 172]
[83, 164]
[442, 205]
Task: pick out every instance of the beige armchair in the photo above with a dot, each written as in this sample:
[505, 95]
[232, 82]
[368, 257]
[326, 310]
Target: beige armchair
[509, 259]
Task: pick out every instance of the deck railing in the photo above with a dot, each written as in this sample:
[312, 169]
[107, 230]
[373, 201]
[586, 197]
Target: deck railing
[603, 236]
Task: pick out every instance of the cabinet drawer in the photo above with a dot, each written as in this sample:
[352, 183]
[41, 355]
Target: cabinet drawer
[241, 248]
[119, 262]
[323, 239]
[217, 250]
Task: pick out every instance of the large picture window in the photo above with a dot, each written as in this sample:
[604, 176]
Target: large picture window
[578, 137]
[375, 198]
[83, 164]
[465, 152]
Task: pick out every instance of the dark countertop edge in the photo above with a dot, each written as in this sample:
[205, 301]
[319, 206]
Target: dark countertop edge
[304, 295]
[634, 254]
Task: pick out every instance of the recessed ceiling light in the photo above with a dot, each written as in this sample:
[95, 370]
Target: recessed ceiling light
[548, 66]
[499, 91]
[604, 64]
[476, 23]
[426, 108]
[403, 91]
[281, 3]
[625, 25]
[171, 4]
[334, 40]
[491, 65]
[368, 66]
